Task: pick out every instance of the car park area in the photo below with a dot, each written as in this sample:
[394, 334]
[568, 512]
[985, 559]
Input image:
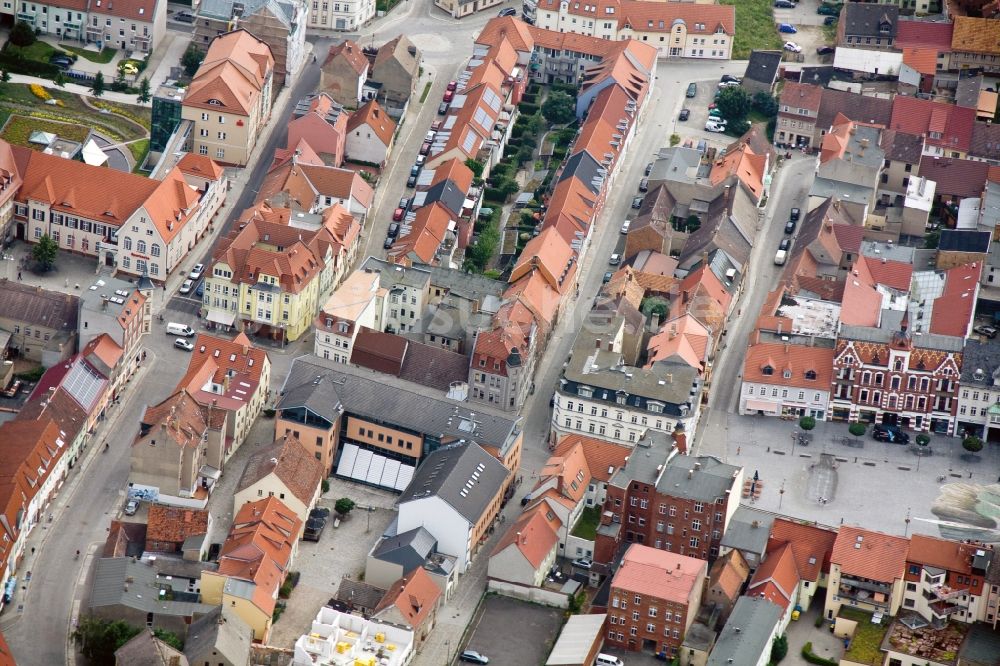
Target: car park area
[508, 631]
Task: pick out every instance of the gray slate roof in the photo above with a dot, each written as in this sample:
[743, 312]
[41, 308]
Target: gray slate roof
[698, 478]
[747, 634]
[409, 549]
[391, 275]
[221, 630]
[146, 649]
[323, 386]
[763, 66]
[38, 307]
[980, 361]
[109, 589]
[359, 594]
[464, 476]
[865, 19]
[743, 536]
[223, 9]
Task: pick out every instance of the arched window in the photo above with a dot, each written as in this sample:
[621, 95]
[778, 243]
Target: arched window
[155, 249]
[140, 246]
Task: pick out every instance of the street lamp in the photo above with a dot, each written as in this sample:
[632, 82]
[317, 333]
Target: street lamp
[781, 494]
[795, 434]
[906, 520]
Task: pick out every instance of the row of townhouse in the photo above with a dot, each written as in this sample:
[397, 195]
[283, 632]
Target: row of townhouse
[353, 74]
[145, 228]
[130, 26]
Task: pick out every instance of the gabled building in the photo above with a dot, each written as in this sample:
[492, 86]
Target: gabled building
[253, 563]
[350, 308]
[396, 556]
[973, 46]
[762, 72]
[748, 635]
[178, 453]
[784, 379]
[812, 546]
[396, 68]
[726, 578]
[868, 26]
[229, 99]
[269, 276]
[344, 72]
[455, 495]
[284, 470]
[175, 530]
[321, 123]
[947, 128]
[867, 571]
[859, 108]
[314, 187]
[349, 16]
[411, 603]
[370, 134]
[220, 637]
[980, 390]
[945, 580]
[665, 589]
[231, 376]
[527, 551]
[281, 24]
[146, 648]
[11, 179]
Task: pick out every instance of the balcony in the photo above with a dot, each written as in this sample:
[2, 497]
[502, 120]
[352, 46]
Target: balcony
[869, 585]
[946, 593]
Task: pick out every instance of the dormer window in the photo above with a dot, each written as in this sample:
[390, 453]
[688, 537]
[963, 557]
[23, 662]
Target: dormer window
[215, 102]
[767, 370]
[787, 374]
[810, 374]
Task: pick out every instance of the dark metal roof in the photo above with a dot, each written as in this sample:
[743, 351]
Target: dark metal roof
[464, 476]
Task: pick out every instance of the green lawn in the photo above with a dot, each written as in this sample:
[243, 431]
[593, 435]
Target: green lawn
[586, 526]
[755, 27]
[40, 51]
[19, 128]
[104, 56]
[17, 98]
[867, 637]
[139, 150]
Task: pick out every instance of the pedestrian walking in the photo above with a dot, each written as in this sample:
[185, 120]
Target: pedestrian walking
[32, 550]
[19, 276]
[738, 449]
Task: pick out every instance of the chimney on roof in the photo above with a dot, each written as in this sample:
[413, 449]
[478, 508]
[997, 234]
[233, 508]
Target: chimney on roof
[678, 566]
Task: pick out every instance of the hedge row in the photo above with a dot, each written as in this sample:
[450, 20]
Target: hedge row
[813, 658]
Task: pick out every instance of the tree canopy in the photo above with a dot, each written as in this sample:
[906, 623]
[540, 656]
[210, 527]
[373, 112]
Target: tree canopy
[44, 252]
[559, 108]
[734, 104]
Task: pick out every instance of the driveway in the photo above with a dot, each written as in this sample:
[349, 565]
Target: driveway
[509, 631]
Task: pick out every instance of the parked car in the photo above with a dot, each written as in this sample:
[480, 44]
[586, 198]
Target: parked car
[197, 272]
[779, 257]
[425, 147]
[508, 11]
[184, 17]
[824, 50]
[684, 114]
[730, 77]
[648, 170]
[421, 159]
[187, 287]
[607, 277]
[890, 433]
[692, 90]
[182, 343]
[583, 563]
[644, 185]
[452, 85]
[397, 214]
[388, 242]
[787, 28]
[411, 181]
[988, 331]
[714, 113]
[414, 170]
[830, 20]
[393, 229]
[615, 259]
[828, 10]
[728, 84]
[131, 507]
[784, 4]
[625, 226]
[61, 61]
[790, 227]
[637, 202]
[793, 47]
[442, 108]
[715, 125]
[404, 202]
[314, 528]
[448, 95]
[436, 125]
[430, 135]
[200, 289]
[785, 244]
[794, 214]
[473, 657]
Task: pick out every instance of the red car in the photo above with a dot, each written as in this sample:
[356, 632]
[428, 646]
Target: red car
[448, 94]
[452, 85]
[436, 125]
[397, 215]
[425, 148]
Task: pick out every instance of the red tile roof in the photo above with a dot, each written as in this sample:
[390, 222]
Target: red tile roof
[728, 573]
[513, 30]
[776, 578]
[289, 462]
[658, 574]
[645, 16]
[862, 302]
[797, 359]
[920, 116]
[375, 117]
[531, 534]
[234, 72]
[953, 556]
[975, 35]
[955, 177]
[550, 255]
[683, 337]
[350, 53]
[168, 524]
[866, 554]
[235, 365]
[603, 458]
[414, 597]
[811, 546]
[953, 309]
[924, 34]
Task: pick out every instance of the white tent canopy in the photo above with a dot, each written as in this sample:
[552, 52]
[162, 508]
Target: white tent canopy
[93, 155]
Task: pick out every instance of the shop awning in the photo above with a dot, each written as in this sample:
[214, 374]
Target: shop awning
[222, 318]
[762, 406]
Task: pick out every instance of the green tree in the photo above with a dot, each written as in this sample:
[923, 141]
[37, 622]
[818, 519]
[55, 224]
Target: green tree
[98, 85]
[807, 423]
[343, 506]
[765, 104]
[674, 139]
[98, 639]
[170, 638]
[734, 104]
[655, 305]
[692, 223]
[559, 108]
[22, 34]
[4, 76]
[44, 252]
[475, 166]
[60, 79]
[191, 60]
[857, 429]
[779, 648]
[972, 444]
[144, 94]
[931, 240]
[923, 439]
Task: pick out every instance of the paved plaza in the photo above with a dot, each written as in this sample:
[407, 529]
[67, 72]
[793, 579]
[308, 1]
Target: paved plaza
[838, 479]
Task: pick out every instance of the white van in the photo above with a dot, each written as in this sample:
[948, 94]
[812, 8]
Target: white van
[779, 257]
[179, 329]
[608, 660]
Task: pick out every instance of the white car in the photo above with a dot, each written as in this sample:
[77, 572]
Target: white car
[625, 226]
[181, 343]
[187, 287]
[728, 84]
[715, 126]
[615, 259]
[793, 47]
[197, 272]
[131, 508]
